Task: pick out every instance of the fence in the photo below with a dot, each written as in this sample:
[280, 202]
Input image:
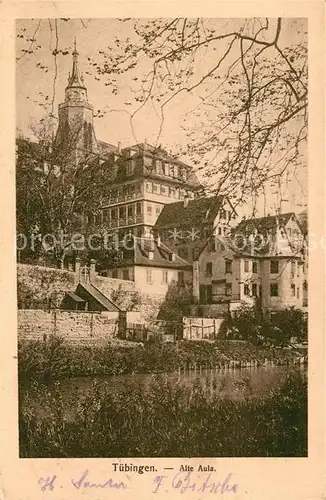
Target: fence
[169, 331]
[201, 328]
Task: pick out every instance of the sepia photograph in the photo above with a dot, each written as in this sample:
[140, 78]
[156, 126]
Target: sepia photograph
[162, 237]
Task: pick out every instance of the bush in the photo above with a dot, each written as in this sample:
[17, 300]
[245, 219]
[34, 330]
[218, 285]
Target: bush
[57, 359]
[245, 322]
[292, 322]
[164, 420]
[176, 303]
[43, 360]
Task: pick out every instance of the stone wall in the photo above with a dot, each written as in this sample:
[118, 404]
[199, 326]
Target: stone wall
[37, 283]
[74, 327]
[122, 292]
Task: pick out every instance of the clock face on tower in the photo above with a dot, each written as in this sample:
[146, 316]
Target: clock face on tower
[74, 94]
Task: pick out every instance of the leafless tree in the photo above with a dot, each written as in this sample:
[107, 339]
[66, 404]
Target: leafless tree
[249, 126]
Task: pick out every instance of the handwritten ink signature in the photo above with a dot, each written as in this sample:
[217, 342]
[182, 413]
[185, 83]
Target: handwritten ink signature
[84, 483]
[48, 483]
[182, 481]
[185, 482]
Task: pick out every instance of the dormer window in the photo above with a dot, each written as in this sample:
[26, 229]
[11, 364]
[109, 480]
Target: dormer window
[171, 257]
[129, 168]
[158, 165]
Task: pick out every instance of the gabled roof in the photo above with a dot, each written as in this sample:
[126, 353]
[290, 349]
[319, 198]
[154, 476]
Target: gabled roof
[151, 253]
[94, 292]
[263, 224]
[195, 213]
[272, 241]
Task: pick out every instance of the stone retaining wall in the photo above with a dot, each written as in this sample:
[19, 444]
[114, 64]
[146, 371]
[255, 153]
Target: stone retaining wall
[38, 325]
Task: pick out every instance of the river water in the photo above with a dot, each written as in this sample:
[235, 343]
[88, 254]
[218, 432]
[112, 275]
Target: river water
[231, 383]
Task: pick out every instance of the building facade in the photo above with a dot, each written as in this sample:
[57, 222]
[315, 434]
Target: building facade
[269, 268]
[152, 266]
[142, 178]
[187, 226]
[145, 179]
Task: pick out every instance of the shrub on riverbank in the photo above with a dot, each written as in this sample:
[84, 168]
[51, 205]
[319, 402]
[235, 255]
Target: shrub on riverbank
[164, 419]
[57, 359]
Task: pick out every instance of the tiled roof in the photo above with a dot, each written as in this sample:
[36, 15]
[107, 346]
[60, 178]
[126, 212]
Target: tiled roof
[195, 213]
[157, 151]
[263, 224]
[162, 256]
[160, 153]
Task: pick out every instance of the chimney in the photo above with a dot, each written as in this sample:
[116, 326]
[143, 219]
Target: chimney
[119, 147]
[92, 271]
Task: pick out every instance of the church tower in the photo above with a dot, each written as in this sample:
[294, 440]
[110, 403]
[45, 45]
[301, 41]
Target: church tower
[75, 132]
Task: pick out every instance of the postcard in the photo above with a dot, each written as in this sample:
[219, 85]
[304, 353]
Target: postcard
[162, 264]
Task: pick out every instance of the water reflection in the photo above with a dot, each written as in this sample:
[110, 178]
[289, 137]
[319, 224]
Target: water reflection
[233, 384]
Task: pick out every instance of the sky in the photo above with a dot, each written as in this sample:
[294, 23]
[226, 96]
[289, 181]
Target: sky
[33, 84]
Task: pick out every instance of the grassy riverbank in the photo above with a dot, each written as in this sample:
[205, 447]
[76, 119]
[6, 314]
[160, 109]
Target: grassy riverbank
[164, 420]
[57, 359]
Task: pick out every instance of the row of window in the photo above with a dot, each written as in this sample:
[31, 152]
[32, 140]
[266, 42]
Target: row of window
[228, 267]
[274, 292]
[124, 192]
[122, 211]
[169, 191]
[130, 210]
[160, 167]
[253, 267]
[149, 276]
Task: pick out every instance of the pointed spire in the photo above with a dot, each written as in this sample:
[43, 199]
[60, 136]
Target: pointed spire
[75, 79]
